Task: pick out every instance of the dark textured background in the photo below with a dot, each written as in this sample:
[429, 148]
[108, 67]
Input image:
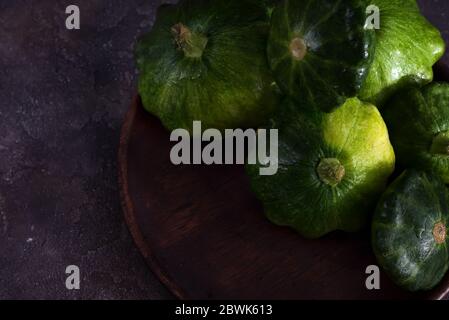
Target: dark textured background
[63, 95]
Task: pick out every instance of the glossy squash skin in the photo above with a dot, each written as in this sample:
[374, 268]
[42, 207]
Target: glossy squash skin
[410, 231]
[407, 46]
[332, 168]
[206, 60]
[418, 122]
[319, 50]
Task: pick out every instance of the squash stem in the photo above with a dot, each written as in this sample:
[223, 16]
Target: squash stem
[440, 144]
[191, 43]
[331, 171]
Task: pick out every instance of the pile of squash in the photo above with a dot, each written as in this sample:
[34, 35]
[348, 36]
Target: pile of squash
[349, 100]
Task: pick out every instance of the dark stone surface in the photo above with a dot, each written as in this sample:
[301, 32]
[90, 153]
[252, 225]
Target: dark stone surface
[63, 95]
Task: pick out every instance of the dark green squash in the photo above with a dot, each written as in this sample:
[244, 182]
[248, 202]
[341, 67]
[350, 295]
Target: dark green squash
[320, 51]
[332, 168]
[410, 231]
[407, 46]
[418, 122]
[206, 60]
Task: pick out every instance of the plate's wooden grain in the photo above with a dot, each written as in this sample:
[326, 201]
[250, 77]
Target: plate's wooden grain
[204, 234]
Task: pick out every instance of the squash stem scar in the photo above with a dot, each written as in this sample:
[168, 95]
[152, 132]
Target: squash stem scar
[298, 48]
[439, 233]
[331, 171]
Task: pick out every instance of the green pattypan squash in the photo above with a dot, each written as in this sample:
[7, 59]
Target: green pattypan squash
[206, 60]
[407, 46]
[332, 168]
[410, 231]
[319, 50]
[418, 122]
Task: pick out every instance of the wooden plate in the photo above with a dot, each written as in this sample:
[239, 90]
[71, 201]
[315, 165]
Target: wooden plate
[204, 234]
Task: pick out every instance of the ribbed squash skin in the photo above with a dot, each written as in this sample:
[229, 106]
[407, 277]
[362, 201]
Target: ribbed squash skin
[402, 231]
[229, 85]
[418, 122]
[407, 46]
[354, 134]
[339, 50]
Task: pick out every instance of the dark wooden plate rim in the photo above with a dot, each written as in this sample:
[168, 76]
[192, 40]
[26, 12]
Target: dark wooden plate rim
[128, 208]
